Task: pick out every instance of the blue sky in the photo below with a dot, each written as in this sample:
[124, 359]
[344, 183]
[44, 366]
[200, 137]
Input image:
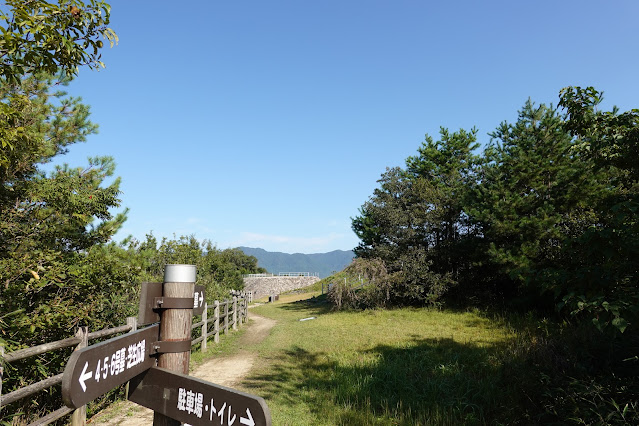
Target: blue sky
[267, 123]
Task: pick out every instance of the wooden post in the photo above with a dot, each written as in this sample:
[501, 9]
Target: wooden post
[245, 308]
[79, 416]
[175, 325]
[216, 315]
[1, 370]
[226, 316]
[205, 326]
[234, 312]
[133, 322]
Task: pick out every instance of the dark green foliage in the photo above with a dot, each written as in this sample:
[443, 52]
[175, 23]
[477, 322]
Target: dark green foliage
[55, 273]
[600, 277]
[535, 191]
[416, 222]
[218, 270]
[547, 220]
[566, 374]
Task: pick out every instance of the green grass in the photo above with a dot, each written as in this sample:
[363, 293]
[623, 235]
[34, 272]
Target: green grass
[226, 346]
[405, 366]
[426, 366]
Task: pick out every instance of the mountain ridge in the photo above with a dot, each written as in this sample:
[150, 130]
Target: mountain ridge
[322, 263]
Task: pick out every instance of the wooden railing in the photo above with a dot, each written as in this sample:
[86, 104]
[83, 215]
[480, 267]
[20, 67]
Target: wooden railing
[229, 313]
[80, 340]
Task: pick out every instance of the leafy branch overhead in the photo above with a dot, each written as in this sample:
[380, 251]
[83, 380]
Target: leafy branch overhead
[42, 38]
[39, 36]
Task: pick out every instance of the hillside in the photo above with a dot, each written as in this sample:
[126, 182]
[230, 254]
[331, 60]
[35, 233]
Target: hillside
[322, 263]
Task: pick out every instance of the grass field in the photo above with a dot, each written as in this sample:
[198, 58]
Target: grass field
[404, 366]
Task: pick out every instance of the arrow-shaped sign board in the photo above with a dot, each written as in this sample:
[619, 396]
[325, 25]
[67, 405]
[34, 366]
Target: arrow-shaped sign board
[195, 401]
[95, 370]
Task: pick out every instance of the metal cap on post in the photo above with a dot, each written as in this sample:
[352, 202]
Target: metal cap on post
[175, 324]
[179, 273]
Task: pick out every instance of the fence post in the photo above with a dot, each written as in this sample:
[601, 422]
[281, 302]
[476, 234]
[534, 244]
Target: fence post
[234, 312]
[216, 315]
[238, 308]
[133, 322]
[175, 325]
[1, 370]
[79, 415]
[245, 309]
[226, 316]
[205, 326]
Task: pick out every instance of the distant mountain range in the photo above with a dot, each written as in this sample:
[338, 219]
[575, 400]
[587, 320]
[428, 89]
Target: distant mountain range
[322, 263]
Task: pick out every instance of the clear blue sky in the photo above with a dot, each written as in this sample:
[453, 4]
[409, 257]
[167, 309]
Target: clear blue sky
[268, 123]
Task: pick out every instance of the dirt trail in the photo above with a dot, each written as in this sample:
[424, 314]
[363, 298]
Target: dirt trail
[226, 371]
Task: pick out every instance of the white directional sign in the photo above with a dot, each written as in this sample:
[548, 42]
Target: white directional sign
[198, 300]
[97, 369]
[197, 402]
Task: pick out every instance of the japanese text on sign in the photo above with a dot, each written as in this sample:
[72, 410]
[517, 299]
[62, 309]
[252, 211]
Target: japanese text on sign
[193, 403]
[115, 364]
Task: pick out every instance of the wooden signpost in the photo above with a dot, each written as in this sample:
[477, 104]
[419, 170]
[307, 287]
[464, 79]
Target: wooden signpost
[151, 295]
[173, 395]
[197, 402]
[95, 370]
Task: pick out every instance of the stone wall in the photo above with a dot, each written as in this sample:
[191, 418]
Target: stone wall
[264, 286]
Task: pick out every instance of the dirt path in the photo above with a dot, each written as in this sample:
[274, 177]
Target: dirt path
[226, 371]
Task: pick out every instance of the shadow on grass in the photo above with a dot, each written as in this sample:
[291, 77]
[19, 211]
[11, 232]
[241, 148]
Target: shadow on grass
[432, 381]
[317, 305]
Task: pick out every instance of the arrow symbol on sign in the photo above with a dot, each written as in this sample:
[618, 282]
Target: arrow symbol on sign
[201, 298]
[249, 421]
[84, 376]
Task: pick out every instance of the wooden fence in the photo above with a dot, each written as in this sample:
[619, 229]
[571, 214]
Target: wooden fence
[229, 313]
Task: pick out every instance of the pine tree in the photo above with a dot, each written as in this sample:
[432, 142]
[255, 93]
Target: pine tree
[535, 190]
[415, 221]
